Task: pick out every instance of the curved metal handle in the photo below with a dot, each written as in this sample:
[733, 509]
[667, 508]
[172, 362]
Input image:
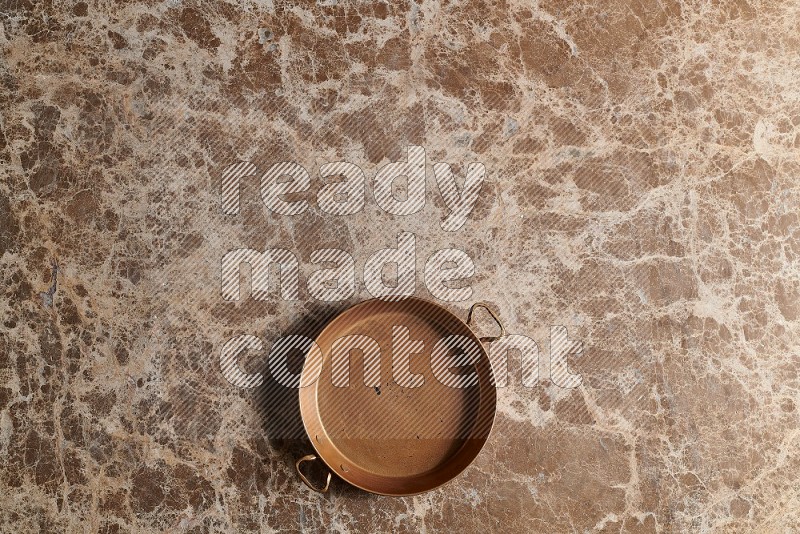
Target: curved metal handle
[494, 316]
[311, 458]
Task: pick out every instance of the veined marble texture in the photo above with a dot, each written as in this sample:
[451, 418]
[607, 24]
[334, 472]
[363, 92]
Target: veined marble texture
[642, 190]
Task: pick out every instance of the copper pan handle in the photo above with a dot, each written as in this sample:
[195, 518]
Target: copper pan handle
[311, 458]
[487, 339]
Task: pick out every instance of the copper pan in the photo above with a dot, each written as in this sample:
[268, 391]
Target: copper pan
[365, 420]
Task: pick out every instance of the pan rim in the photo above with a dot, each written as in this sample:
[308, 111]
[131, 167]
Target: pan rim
[309, 408]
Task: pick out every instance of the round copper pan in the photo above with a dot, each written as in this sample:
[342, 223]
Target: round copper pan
[379, 435]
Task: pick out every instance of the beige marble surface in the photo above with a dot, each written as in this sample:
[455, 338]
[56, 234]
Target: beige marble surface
[642, 190]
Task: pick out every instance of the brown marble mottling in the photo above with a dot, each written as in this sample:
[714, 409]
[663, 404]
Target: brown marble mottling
[643, 191]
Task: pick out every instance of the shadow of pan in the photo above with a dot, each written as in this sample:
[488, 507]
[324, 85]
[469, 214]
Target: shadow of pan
[278, 406]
